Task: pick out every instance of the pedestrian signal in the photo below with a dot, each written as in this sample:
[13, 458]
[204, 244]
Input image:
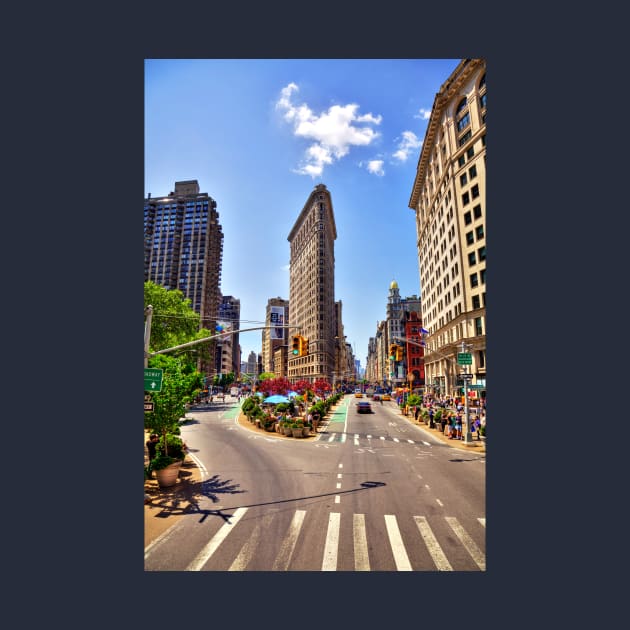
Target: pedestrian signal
[304, 347]
[392, 352]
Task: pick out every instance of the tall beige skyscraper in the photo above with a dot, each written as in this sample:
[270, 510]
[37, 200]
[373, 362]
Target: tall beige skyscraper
[312, 286]
[449, 200]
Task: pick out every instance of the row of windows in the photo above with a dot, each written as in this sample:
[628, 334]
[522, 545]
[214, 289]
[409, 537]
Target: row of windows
[476, 213]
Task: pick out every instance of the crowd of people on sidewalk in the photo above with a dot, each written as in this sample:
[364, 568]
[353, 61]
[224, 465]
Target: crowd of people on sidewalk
[451, 418]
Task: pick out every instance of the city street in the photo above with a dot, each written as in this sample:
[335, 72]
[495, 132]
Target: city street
[373, 492]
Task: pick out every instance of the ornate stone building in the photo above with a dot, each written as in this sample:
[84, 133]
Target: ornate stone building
[449, 201]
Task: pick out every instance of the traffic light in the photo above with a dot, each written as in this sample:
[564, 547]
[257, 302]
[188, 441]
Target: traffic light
[399, 353]
[392, 351]
[304, 346]
[295, 346]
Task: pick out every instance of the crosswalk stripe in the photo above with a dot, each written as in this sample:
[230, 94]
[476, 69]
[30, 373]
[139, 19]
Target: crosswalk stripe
[247, 551]
[382, 437]
[482, 520]
[395, 540]
[411, 441]
[332, 542]
[477, 555]
[343, 437]
[361, 558]
[432, 544]
[396, 440]
[204, 555]
[288, 545]
[331, 438]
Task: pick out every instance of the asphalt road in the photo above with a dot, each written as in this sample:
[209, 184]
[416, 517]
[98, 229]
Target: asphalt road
[372, 493]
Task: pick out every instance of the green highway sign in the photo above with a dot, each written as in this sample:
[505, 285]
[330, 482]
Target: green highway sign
[464, 358]
[153, 379]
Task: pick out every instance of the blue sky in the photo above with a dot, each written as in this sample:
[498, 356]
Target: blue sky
[258, 135]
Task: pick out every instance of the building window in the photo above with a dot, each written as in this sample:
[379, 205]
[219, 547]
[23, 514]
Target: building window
[461, 160]
[471, 258]
[463, 180]
[470, 152]
[475, 191]
[478, 326]
[482, 100]
[470, 239]
[464, 139]
[477, 211]
[467, 218]
[483, 276]
[479, 232]
[465, 198]
[474, 280]
[475, 301]
[481, 253]
[472, 172]
[463, 122]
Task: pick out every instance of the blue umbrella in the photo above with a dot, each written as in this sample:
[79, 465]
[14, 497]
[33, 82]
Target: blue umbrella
[276, 398]
[292, 394]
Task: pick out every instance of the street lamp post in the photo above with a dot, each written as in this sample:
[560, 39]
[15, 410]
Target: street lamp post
[468, 436]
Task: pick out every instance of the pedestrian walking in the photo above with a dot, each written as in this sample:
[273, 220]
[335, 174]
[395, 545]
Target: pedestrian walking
[151, 445]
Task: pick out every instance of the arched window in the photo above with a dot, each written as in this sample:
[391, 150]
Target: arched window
[462, 104]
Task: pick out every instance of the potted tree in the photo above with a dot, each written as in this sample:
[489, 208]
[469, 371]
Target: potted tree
[169, 405]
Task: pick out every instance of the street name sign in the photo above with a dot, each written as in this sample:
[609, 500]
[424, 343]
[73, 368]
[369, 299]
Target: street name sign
[148, 406]
[464, 358]
[466, 377]
[153, 379]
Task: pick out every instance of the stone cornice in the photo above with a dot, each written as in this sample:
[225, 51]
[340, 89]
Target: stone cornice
[449, 89]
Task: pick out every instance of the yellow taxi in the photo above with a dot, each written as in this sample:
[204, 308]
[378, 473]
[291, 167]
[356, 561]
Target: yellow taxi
[358, 394]
[386, 397]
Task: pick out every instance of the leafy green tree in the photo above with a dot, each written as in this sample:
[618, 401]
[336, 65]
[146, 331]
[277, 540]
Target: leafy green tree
[174, 322]
[179, 386]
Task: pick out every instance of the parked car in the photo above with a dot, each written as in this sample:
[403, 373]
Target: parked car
[364, 406]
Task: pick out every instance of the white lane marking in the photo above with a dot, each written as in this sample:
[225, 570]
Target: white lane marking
[338, 486]
[332, 542]
[395, 540]
[340, 465]
[432, 544]
[426, 443]
[202, 468]
[343, 437]
[288, 545]
[396, 440]
[337, 499]
[382, 437]
[331, 438]
[482, 520]
[440, 503]
[427, 486]
[477, 555]
[204, 555]
[247, 551]
[339, 475]
[356, 440]
[369, 437]
[361, 558]
[411, 441]
[419, 476]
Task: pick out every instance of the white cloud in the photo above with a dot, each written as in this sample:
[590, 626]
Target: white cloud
[334, 131]
[424, 114]
[375, 167]
[409, 143]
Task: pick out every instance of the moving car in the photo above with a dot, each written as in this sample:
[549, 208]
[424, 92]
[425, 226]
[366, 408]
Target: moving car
[376, 397]
[386, 397]
[364, 407]
[358, 395]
